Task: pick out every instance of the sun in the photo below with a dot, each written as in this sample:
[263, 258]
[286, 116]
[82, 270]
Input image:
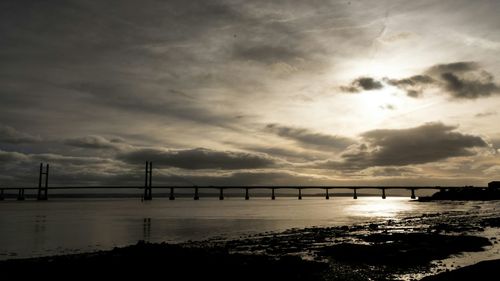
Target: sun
[377, 105]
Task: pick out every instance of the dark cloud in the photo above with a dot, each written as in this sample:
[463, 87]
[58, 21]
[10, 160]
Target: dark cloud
[485, 114]
[428, 143]
[94, 142]
[9, 156]
[460, 80]
[64, 160]
[469, 88]
[455, 67]
[388, 107]
[308, 138]
[199, 158]
[464, 80]
[413, 85]
[363, 84]
[14, 157]
[13, 136]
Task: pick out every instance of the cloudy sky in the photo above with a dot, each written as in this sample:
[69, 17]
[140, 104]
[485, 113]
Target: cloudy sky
[250, 92]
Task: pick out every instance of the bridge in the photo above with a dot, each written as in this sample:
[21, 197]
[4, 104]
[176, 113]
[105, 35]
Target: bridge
[147, 189]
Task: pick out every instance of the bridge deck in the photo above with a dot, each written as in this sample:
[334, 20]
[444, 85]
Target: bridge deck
[240, 187]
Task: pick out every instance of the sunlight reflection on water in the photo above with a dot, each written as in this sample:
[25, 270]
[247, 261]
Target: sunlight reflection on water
[375, 207]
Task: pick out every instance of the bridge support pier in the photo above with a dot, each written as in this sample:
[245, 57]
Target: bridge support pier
[355, 195]
[413, 194]
[196, 196]
[221, 194]
[327, 195]
[172, 195]
[300, 193]
[20, 195]
[148, 194]
[247, 197]
[42, 192]
[272, 194]
[383, 193]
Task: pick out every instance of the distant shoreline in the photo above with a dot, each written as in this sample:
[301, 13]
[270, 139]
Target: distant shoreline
[464, 194]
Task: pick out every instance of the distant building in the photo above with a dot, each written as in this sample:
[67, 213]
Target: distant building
[494, 184]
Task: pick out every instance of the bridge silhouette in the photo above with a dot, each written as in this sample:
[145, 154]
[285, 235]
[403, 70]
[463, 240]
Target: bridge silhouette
[147, 189]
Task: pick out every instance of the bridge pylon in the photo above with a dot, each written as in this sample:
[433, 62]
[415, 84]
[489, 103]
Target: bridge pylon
[43, 191]
[172, 195]
[221, 193]
[196, 195]
[20, 194]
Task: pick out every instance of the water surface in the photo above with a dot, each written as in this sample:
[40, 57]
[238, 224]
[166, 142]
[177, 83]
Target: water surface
[33, 228]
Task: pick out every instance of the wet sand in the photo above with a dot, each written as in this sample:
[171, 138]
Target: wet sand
[387, 250]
